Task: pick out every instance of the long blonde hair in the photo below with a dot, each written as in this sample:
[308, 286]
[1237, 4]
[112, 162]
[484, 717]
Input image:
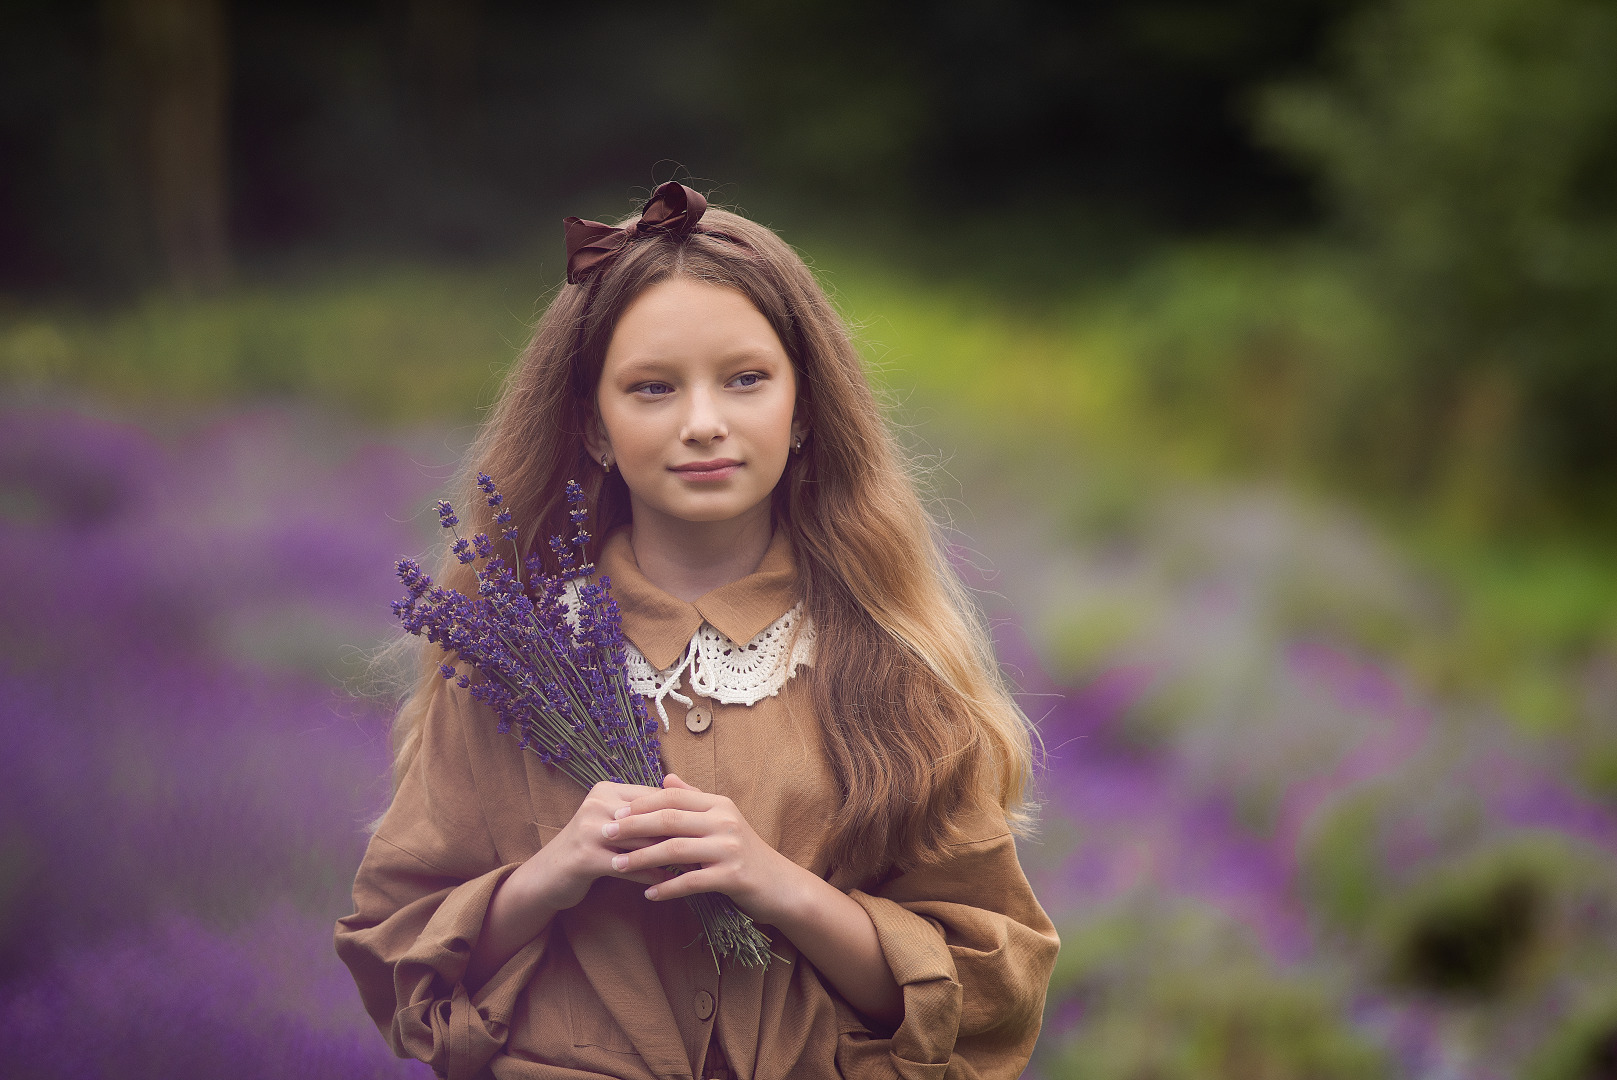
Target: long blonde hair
[919, 726]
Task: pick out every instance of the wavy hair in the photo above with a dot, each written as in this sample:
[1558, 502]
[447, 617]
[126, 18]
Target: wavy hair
[919, 726]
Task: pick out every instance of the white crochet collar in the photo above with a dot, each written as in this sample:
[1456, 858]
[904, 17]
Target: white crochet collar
[718, 668]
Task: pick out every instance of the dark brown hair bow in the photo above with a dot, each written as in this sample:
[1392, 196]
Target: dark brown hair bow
[672, 208]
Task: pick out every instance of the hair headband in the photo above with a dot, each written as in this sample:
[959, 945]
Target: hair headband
[672, 209]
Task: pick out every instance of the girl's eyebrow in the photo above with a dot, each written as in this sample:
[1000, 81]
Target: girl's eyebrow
[645, 367]
[639, 369]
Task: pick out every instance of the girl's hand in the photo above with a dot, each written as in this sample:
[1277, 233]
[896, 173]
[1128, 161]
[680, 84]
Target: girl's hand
[560, 873]
[556, 878]
[682, 825]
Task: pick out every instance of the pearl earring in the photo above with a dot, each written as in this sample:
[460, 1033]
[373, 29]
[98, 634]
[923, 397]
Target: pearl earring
[606, 464]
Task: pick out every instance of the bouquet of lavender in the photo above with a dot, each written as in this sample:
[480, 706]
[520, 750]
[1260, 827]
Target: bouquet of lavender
[553, 672]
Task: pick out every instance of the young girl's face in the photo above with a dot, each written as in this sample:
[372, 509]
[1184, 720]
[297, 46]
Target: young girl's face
[696, 403]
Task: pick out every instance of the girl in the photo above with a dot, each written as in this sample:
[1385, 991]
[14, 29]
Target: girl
[844, 761]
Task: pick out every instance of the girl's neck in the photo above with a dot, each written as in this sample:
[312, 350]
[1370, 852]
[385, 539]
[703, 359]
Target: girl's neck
[689, 559]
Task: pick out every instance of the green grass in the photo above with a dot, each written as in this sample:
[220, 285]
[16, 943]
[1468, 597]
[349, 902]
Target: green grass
[390, 345]
[1175, 991]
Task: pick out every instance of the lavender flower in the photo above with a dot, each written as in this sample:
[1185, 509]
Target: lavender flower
[549, 657]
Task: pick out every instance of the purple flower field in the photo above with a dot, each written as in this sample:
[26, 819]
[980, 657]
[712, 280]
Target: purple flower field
[1268, 855]
[179, 824]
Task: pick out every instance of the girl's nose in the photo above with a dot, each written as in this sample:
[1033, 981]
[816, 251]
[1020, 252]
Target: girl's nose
[704, 422]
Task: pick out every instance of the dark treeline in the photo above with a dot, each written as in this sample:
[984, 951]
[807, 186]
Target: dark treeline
[153, 141]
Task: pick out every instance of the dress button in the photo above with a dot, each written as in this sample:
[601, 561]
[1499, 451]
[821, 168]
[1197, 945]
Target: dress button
[704, 1004]
[699, 718]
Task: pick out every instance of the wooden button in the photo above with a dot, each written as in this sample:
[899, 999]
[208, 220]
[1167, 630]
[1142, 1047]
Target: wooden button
[699, 718]
[704, 1004]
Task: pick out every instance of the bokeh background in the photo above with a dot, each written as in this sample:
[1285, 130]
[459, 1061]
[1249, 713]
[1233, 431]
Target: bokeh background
[1263, 354]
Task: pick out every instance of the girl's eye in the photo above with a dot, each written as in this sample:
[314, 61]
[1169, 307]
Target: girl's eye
[751, 378]
[655, 389]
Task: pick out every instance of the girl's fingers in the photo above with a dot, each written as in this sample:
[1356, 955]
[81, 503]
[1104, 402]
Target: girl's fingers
[632, 843]
[687, 884]
[622, 792]
[678, 851]
[669, 821]
[686, 798]
[673, 781]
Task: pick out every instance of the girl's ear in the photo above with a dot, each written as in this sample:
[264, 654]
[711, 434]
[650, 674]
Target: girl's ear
[595, 440]
[800, 426]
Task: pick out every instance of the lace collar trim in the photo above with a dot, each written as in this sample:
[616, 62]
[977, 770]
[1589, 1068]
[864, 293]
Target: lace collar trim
[718, 668]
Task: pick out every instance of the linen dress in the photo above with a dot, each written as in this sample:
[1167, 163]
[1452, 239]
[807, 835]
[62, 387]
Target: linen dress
[620, 986]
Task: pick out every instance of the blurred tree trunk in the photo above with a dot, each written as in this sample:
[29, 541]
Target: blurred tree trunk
[168, 81]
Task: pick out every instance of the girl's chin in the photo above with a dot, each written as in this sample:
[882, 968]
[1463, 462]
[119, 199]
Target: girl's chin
[712, 511]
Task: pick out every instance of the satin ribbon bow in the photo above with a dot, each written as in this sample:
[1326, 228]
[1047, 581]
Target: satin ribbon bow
[672, 208]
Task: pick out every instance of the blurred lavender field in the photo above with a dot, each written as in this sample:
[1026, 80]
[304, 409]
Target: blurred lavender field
[185, 787]
[1270, 856]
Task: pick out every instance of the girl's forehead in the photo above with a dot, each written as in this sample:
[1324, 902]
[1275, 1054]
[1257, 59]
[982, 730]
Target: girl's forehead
[686, 321]
[672, 297]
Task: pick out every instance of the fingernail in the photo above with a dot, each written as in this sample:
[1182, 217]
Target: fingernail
[621, 812]
[619, 862]
[609, 830]
[651, 893]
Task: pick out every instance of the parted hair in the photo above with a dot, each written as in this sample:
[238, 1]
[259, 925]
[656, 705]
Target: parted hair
[919, 727]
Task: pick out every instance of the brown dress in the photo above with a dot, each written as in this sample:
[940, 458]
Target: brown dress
[623, 987]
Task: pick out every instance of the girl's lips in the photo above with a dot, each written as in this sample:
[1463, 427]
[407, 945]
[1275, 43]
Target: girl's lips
[708, 470]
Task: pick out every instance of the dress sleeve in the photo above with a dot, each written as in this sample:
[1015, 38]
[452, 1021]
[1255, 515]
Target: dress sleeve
[420, 897]
[972, 951]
